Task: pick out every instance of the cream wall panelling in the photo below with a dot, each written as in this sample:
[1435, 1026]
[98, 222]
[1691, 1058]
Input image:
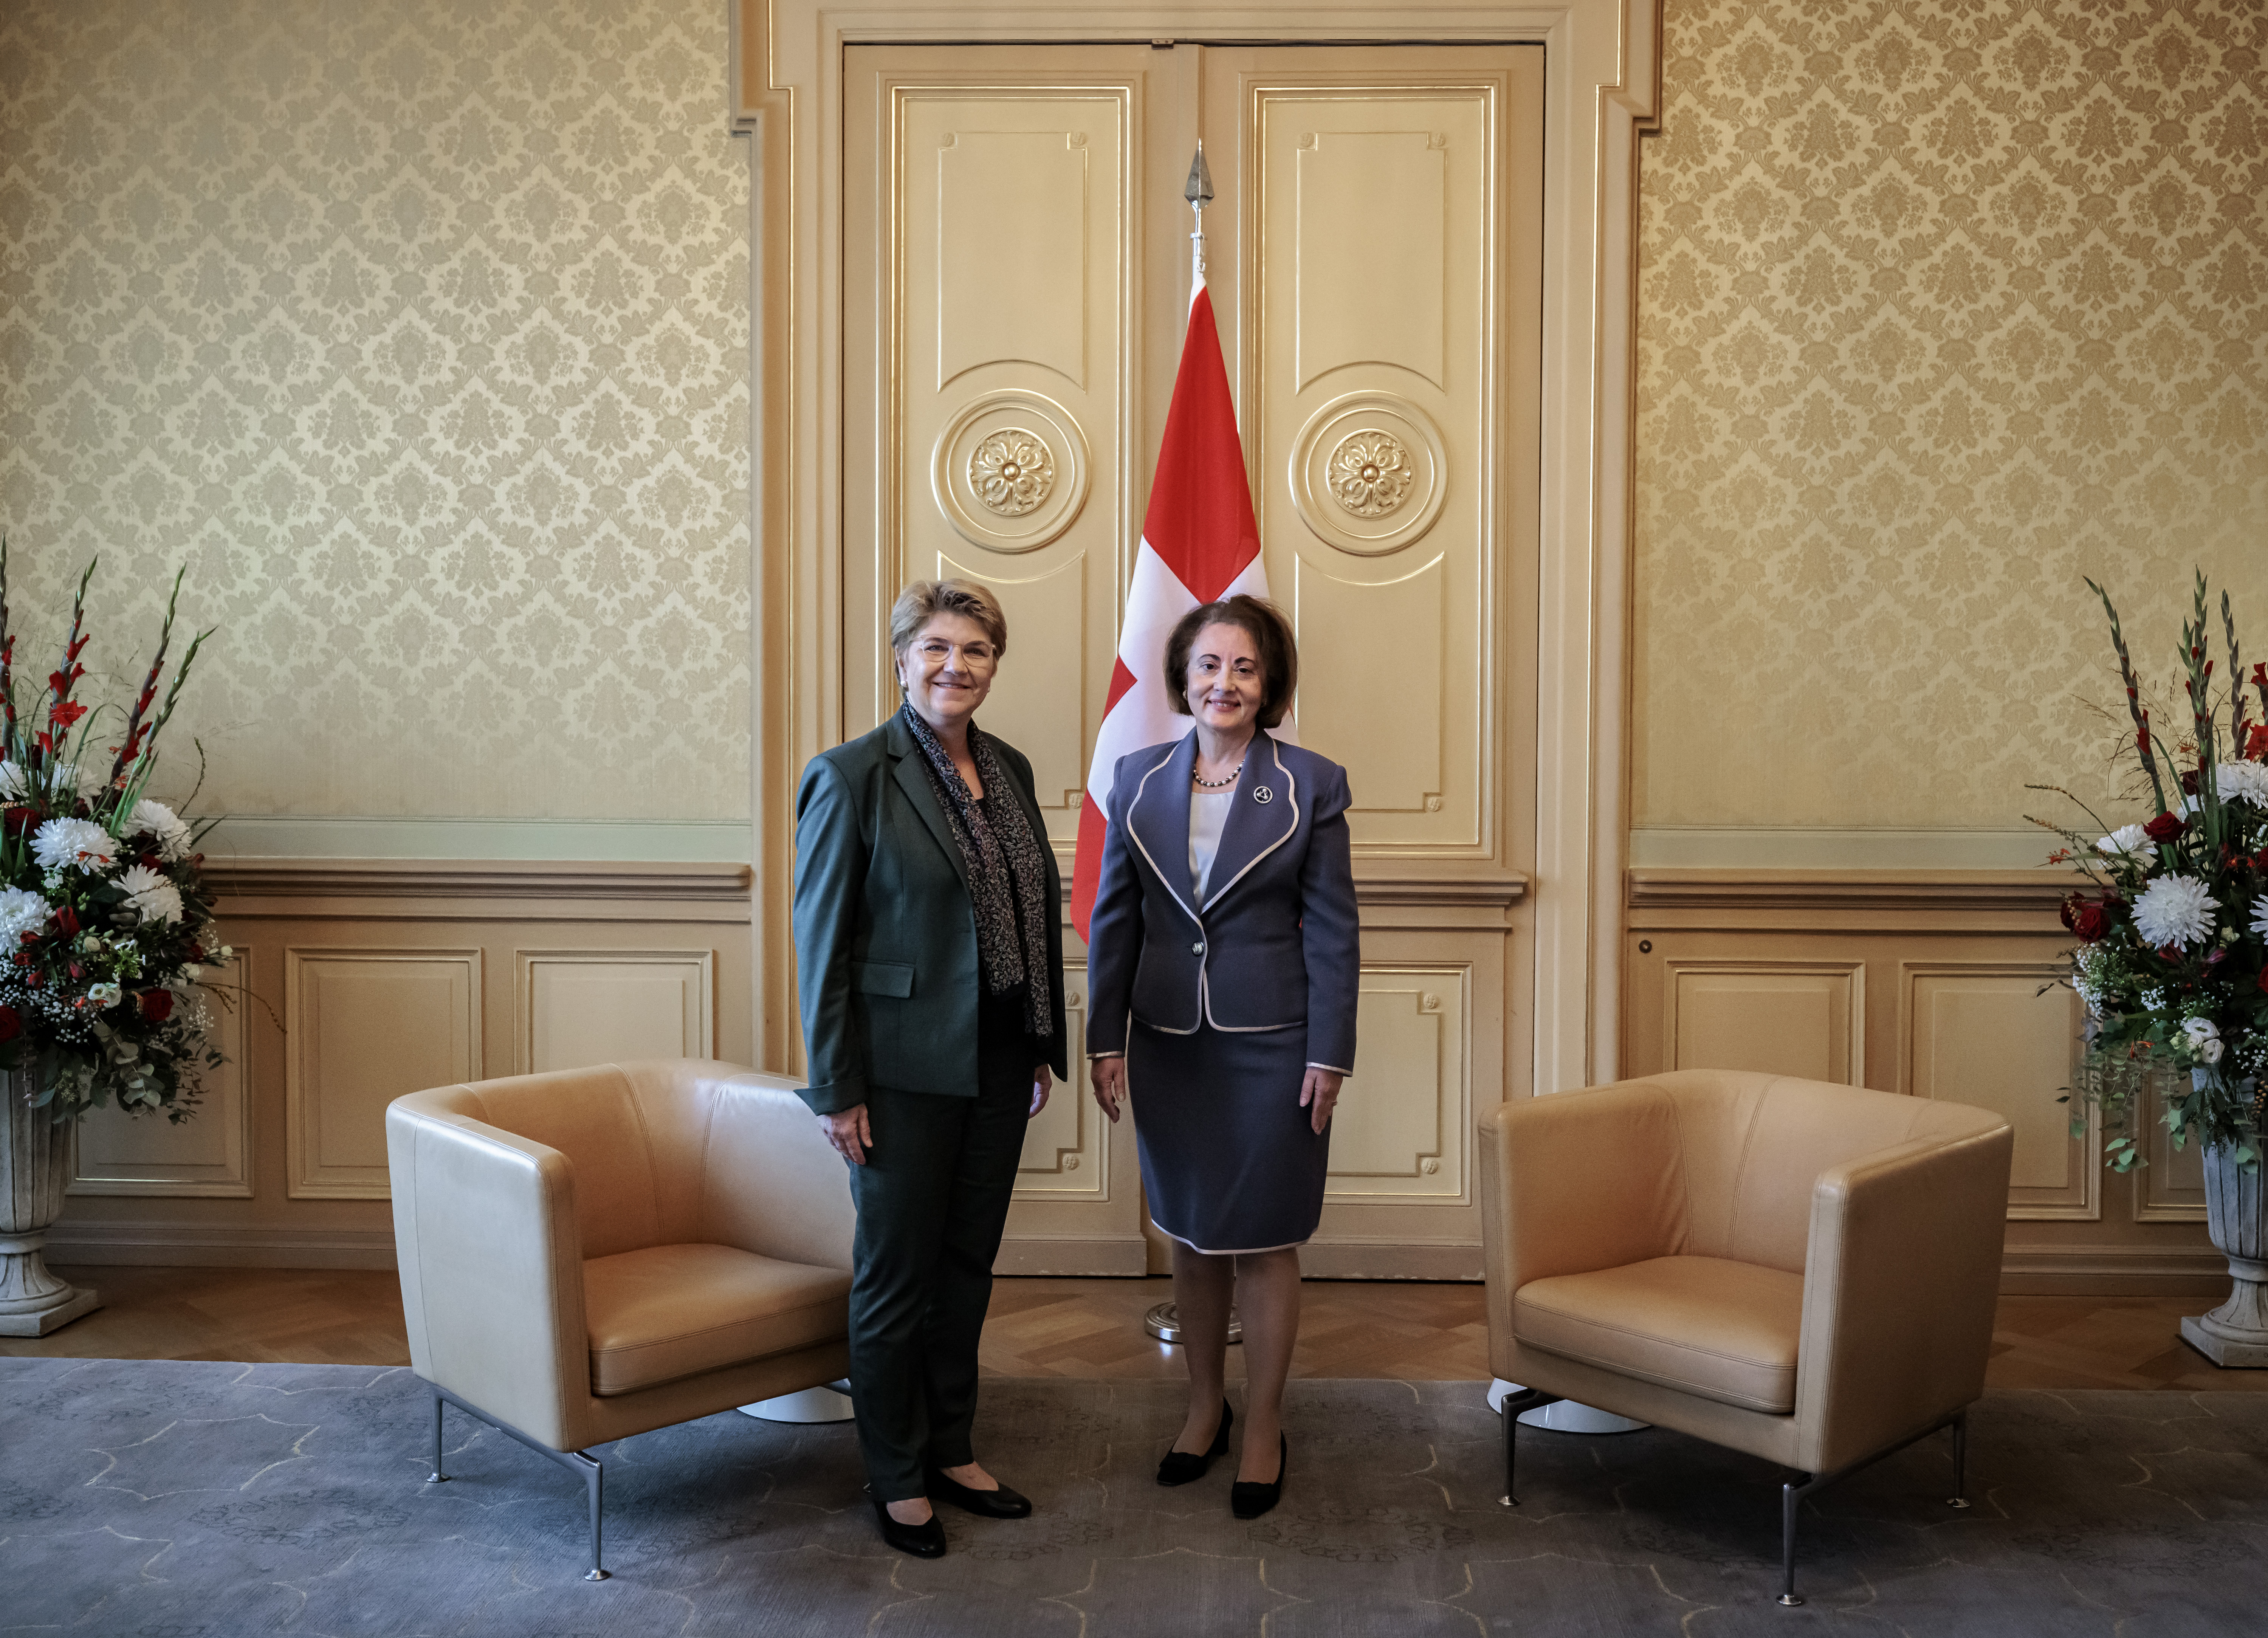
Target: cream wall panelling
[1949, 967]
[1806, 1018]
[1401, 1133]
[2171, 1188]
[1078, 1204]
[208, 1155]
[2003, 1035]
[795, 78]
[583, 1006]
[366, 1026]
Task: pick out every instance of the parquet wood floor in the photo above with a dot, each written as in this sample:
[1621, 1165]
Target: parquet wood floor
[1415, 1331]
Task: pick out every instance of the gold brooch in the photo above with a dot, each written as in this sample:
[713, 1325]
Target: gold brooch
[1262, 793]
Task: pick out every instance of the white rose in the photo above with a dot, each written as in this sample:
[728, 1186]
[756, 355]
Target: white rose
[2128, 841]
[2203, 1039]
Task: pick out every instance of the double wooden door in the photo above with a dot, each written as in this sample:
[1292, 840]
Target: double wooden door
[1016, 274]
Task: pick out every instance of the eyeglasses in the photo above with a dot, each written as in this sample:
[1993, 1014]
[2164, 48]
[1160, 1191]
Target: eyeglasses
[935, 650]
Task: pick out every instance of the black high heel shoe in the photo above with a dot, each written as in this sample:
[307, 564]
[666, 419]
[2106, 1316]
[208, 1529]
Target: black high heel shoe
[924, 1540]
[1247, 1500]
[1180, 1466]
[998, 1502]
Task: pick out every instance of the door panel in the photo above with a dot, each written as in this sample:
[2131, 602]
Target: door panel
[1017, 277]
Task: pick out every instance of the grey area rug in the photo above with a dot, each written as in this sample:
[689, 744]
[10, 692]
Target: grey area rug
[181, 1501]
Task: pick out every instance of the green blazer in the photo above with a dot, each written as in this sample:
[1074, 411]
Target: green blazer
[885, 930]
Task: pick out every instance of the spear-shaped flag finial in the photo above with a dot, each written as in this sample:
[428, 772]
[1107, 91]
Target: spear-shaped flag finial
[1198, 189]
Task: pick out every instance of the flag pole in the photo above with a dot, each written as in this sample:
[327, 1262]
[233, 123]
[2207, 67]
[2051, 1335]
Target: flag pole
[1163, 1321]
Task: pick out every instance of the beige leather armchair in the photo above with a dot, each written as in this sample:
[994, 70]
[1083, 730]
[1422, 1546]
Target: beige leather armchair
[1800, 1271]
[594, 1253]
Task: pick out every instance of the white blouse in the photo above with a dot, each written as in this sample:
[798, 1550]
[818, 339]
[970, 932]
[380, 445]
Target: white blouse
[1208, 814]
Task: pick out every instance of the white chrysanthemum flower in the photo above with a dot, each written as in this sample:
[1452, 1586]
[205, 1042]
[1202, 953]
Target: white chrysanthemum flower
[2243, 782]
[2203, 1039]
[2175, 909]
[15, 784]
[2260, 915]
[62, 844]
[150, 894]
[2129, 841]
[161, 822]
[22, 911]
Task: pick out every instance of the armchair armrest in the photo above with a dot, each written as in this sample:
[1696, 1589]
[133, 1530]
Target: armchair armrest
[1901, 1279]
[1572, 1182]
[491, 1266]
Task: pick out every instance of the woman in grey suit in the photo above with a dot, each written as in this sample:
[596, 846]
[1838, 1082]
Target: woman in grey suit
[1223, 964]
[929, 955]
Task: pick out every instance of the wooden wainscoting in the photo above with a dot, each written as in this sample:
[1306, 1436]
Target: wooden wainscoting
[1932, 984]
[357, 981]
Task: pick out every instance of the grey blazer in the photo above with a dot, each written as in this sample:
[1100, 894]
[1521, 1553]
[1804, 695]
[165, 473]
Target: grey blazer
[1276, 944]
[885, 936]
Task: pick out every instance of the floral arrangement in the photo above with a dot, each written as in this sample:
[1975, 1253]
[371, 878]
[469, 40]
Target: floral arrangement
[2172, 958]
[105, 927]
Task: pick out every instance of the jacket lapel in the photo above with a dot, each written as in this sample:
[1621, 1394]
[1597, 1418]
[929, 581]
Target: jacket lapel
[910, 768]
[1261, 820]
[1158, 821]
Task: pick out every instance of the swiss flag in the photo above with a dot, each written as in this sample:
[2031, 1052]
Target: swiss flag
[1200, 544]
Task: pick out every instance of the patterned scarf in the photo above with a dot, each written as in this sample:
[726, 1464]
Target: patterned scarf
[1007, 879]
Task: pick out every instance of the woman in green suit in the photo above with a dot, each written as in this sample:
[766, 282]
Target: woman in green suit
[929, 955]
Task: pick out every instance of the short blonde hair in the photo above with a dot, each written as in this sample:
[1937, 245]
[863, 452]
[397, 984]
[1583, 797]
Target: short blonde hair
[923, 600]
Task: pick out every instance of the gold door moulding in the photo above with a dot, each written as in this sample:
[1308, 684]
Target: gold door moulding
[1010, 470]
[1801, 1018]
[583, 1006]
[1066, 1154]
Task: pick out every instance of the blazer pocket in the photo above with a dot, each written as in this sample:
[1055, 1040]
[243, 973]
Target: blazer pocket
[883, 978]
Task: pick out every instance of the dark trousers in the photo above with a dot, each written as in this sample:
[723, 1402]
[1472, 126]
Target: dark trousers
[932, 1200]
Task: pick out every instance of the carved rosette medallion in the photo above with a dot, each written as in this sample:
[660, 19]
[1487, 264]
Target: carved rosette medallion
[1011, 472]
[1369, 473]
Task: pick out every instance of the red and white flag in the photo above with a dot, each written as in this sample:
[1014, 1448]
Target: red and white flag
[1200, 544]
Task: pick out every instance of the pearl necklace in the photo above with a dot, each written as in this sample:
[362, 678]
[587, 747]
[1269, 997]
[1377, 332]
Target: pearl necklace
[1213, 785]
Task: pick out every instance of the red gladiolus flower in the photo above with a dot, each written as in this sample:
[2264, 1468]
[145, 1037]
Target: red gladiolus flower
[157, 1005]
[2165, 827]
[66, 713]
[67, 918]
[2255, 742]
[11, 1024]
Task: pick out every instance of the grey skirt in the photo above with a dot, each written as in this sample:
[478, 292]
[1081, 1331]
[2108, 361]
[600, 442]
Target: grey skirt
[1229, 1160]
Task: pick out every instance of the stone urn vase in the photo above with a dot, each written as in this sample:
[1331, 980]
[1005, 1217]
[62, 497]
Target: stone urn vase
[36, 1166]
[2236, 1218]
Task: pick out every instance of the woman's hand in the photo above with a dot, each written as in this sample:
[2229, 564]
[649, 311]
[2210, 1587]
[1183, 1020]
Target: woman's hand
[1108, 1075]
[846, 1129]
[1042, 1079]
[1320, 1092]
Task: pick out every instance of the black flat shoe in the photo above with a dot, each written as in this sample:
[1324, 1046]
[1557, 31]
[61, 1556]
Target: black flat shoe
[1000, 1503]
[926, 1541]
[1180, 1466]
[1251, 1500]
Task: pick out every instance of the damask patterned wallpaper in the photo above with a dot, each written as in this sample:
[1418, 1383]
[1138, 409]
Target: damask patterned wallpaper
[419, 330]
[1944, 303]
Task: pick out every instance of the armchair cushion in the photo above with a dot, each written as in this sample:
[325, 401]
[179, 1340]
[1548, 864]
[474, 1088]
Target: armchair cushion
[671, 1311]
[1707, 1326]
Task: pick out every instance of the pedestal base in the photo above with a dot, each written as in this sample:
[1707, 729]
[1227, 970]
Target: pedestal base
[40, 1322]
[812, 1404]
[2221, 1351]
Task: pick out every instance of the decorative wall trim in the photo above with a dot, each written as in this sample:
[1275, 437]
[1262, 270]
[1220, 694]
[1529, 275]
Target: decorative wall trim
[1781, 847]
[488, 878]
[190, 1243]
[535, 1051]
[1657, 888]
[2113, 1270]
[286, 835]
[1082, 1255]
[226, 1112]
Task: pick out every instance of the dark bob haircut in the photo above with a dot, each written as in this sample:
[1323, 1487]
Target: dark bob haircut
[1271, 635]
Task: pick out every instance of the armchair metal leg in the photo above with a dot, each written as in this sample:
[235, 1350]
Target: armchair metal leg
[1527, 1400]
[1960, 1461]
[436, 1476]
[1791, 1496]
[588, 1468]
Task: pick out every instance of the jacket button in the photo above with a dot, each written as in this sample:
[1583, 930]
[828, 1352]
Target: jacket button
[1197, 949]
